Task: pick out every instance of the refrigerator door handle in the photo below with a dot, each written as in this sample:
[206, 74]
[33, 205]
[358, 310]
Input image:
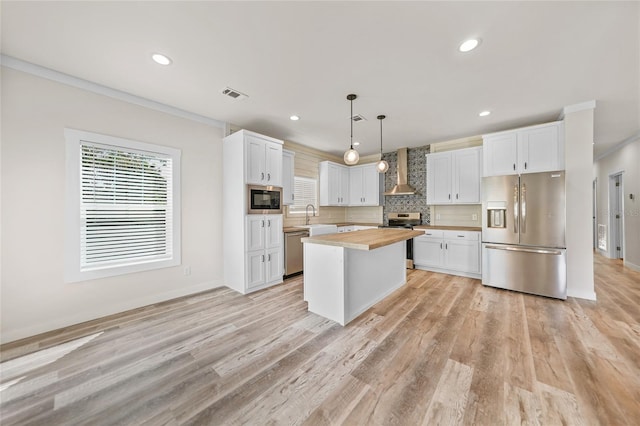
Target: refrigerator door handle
[516, 208]
[526, 250]
[523, 203]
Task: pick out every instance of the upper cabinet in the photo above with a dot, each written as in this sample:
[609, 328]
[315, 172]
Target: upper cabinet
[334, 184]
[263, 160]
[453, 177]
[288, 161]
[365, 185]
[526, 150]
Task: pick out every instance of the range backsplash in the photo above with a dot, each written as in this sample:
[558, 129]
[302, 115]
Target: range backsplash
[417, 178]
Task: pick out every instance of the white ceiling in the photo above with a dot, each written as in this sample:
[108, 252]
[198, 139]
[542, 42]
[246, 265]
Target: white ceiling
[400, 58]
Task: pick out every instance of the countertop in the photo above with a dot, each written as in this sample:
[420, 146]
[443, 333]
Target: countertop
[289, 229]
[450, 228]
[367, 239]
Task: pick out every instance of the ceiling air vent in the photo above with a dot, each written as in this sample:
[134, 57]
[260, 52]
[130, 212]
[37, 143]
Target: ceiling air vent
[233, 93]
[357, 118]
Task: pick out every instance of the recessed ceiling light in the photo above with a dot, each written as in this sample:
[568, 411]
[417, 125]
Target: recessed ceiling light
[294, 118]
[161, 59]
[356, 144]
[484, 113]
[469, 45]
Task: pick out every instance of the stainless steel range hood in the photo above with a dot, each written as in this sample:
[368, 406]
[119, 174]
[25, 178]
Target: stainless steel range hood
[402, 188]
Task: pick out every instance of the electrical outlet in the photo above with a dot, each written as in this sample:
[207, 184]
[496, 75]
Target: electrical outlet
[474, 217]
[187, 270]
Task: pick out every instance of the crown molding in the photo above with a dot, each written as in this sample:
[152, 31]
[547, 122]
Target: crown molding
[618, 146]
[577, 107]
[69, 80]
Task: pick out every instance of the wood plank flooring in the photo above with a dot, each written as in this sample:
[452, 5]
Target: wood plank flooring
[442, 350]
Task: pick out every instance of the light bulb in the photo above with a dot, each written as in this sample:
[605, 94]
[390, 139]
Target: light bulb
[351, 157]
[382, 166]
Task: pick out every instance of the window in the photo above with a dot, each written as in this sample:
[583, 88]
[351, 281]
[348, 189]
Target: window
[305, 192]
[123, 206]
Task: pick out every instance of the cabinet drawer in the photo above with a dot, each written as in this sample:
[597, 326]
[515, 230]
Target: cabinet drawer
[462, 235]
[435, 233]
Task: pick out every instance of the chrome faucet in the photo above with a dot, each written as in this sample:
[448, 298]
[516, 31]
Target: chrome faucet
[306, 213]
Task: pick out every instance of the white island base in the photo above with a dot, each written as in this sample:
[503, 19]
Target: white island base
[341, 283]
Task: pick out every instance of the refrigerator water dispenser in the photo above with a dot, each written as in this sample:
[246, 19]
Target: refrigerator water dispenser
[496, 214]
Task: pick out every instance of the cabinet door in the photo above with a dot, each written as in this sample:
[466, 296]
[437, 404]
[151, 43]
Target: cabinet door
[356, 184]
[255, 232]
[463, 256]
[273, 164]
[287, 177]
[428, 251]
[344, 186]
[500, 154]
[371, 180]
[539, 149]
[255, 160]
[274, 264]
[467, 176]
[439, 178]
[334, 185]
[255, 268]
[273, 230]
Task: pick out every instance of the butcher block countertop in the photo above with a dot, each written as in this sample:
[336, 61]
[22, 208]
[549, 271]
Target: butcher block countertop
[368, 239]
[288, 229]
[450, 228]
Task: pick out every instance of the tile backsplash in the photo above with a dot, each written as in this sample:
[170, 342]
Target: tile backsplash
[417, 178]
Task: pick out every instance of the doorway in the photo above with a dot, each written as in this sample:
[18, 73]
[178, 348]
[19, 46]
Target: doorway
[595, 214]
[616, 215]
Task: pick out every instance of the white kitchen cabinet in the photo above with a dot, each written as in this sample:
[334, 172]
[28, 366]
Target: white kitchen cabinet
[365, 185]
[448, 251]
[288, 162]
[253, 244]
[263, 160]
[264, 250]
[334, 184]
[527, 150]
[453, 177]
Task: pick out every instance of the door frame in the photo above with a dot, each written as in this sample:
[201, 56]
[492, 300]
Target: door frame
[616, 229]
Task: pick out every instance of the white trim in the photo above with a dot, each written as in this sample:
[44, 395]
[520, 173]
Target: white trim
[618, 146]
[40, 71]
[630, 265]
[102, 311]
[72, 268]
[588, 295]
[577, 107]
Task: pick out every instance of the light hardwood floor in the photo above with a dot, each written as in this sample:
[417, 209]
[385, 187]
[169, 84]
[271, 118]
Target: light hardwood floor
[442, 350]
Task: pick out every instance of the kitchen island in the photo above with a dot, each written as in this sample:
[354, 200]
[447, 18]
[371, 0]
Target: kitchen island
[347, 273]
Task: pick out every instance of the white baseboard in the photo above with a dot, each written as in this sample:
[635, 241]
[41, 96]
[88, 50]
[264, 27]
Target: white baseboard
[631, 266]
[582, 294]
[77, 318]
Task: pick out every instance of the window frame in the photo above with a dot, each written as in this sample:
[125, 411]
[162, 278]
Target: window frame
[317, 200]
[73, 167]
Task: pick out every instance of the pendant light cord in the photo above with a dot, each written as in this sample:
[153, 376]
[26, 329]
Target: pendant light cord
[351, 120]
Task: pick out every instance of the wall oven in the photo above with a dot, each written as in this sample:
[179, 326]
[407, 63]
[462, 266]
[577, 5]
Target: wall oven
[264, 199]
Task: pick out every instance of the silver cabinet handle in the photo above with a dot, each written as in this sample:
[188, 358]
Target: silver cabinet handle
[523, 208]
[514, 166]
[440, 246]
[269, 257]
[516, 209]
[525, 165]
[262, 176]
[293, 197]
[460, 236]
[262, 224]
[446, 246]
[526, 250]
[269, 223]
[262, 260]
[449, 196]
[268, 176]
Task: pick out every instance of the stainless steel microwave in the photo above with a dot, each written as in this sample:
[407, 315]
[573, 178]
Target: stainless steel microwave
[264, 199]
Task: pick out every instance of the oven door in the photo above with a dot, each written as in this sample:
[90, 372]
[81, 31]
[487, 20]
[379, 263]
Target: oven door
[264, 199]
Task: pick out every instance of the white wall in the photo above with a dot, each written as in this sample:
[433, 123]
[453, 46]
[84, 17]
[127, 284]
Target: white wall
[35, 112]
[626, 160]
[578, 127]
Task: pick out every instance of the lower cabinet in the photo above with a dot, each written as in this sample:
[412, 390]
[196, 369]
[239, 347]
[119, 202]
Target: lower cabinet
[264, 256]
[450, 252]
[264, 267]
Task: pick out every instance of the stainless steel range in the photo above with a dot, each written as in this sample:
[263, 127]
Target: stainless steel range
[407, 221]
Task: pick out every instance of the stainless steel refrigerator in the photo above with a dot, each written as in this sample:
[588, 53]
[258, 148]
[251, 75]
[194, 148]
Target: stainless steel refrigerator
[523, 233]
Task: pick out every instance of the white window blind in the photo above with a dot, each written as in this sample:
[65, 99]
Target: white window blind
[122, 206]
[126, 209]
[305, 192]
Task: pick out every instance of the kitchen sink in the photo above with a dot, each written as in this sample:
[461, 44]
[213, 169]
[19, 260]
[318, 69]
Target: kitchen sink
[319, 229]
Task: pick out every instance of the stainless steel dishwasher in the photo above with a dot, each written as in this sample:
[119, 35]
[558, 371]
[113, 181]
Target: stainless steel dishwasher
[293, 252]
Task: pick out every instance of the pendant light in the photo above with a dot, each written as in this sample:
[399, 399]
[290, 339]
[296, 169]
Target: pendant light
[381, 166]
[351, 156]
